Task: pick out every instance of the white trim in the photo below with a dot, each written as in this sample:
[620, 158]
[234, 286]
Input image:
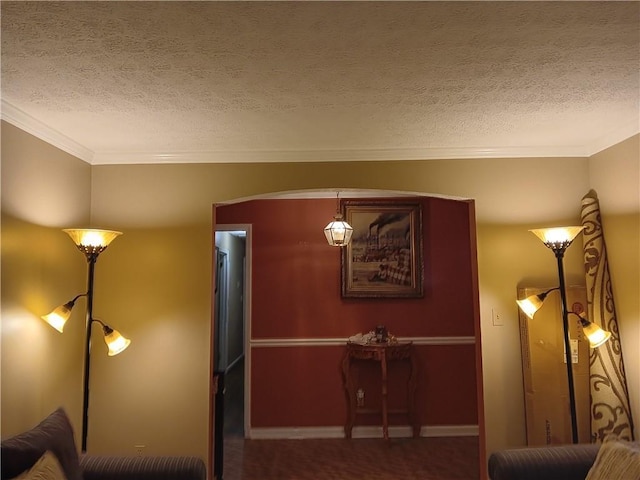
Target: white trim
[361, 432]
[325, 342]
[449, 431]
[29, 124]
[308, 156]
[248, 273]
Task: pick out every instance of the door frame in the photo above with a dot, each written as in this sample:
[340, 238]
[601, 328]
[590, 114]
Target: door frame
[246, 327]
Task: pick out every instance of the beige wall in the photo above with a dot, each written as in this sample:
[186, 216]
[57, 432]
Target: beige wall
[154, 285]
[507, 191]
[511, 196]
[615, 176]
[154, 282]
[43, 190]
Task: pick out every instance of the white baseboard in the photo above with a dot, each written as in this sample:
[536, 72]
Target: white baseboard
[361, 432]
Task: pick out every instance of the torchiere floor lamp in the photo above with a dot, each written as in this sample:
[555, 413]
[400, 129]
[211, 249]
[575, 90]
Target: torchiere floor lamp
[91, 242]
[558, 240]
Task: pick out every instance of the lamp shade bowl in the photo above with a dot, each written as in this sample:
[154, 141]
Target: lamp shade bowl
[91, 240]
[557, 238]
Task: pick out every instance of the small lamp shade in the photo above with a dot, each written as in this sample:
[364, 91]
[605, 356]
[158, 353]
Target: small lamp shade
[533, 303]
[115, 341]
[530, 305]
[557, 238]
[59, 316]
[596, 335]
[338, 232]
[90, 240]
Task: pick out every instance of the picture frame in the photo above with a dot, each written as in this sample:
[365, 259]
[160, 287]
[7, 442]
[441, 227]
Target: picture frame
[385, 256]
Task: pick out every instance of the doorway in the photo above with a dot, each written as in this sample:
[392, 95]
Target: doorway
[229, 338]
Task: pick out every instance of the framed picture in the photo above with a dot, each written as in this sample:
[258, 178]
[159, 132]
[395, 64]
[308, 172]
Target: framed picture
[384, 257]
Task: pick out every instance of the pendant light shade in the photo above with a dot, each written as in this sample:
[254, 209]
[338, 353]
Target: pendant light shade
[338, 232]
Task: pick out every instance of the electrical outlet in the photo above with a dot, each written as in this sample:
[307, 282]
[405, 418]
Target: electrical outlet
[139, 450]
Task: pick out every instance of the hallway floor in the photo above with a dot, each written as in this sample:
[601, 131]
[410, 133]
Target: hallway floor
[448, 458]
[341, 459]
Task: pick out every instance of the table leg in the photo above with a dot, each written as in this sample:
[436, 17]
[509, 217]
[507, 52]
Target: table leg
[351, 397]
[411, 396]
[385, 420]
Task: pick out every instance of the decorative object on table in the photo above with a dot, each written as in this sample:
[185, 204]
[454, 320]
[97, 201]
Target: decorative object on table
[611, 411]
[558, 240]
[384, 257]
[91, 242]
[338, 232]
[379, 335]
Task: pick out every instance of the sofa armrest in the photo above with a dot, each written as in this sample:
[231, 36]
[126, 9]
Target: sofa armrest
[561, 462]
[96, 467]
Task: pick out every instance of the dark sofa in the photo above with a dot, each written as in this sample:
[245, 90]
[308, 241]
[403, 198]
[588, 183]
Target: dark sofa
[53, 438]
[561, 462]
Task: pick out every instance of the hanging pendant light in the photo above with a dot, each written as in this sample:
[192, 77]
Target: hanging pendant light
[338, 232]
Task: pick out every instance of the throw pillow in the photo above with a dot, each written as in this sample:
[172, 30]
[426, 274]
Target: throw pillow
[47, 468]
[54, 433]
[617, 459]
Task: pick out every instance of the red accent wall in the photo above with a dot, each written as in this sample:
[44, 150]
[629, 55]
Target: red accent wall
[296, 294]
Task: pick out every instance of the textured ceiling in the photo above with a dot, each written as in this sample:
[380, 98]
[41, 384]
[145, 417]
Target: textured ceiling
[118, 82]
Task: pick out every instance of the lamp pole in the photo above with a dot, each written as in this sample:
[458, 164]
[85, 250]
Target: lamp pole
[558, 239]
[91, 261]
[559, 253]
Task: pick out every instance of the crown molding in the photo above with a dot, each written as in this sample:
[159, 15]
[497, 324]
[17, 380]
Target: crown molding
[309, 156]
[29, 124]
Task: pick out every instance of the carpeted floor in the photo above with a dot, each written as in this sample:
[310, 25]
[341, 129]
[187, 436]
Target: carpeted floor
[341, 459]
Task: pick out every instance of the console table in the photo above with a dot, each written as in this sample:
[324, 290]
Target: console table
[382, 353]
